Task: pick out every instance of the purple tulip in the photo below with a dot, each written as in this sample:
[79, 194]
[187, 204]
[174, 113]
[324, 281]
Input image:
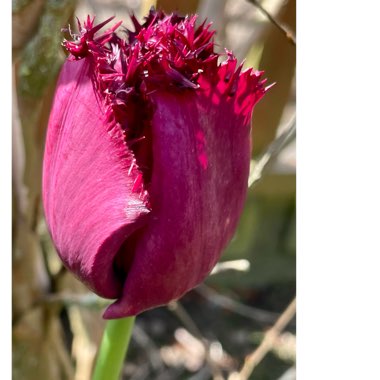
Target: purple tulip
[147, 159]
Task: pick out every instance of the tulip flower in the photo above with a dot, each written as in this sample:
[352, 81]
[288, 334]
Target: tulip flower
[147, 158]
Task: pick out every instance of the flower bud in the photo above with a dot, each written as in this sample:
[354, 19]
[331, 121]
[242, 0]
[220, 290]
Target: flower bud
[147, 158]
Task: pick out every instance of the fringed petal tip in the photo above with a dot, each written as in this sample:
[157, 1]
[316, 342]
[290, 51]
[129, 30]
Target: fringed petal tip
[165, 51]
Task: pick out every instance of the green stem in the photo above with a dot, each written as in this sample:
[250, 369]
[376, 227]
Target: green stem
[113, 349]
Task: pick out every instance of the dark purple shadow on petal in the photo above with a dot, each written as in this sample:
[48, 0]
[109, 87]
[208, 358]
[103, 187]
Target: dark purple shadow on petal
[195, 206]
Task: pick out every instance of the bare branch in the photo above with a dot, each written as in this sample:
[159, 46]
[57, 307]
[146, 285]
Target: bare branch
[190, 325]
[87, 300]
[258, 167]
[238, 265]
[258, 315]
[288, 34]
[267, 343]
[143, 339]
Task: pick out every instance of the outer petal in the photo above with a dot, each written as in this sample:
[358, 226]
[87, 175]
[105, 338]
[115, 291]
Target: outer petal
[90, 206]
[201, 154]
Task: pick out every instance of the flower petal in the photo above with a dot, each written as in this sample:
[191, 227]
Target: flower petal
[201, 155]
[89, 177]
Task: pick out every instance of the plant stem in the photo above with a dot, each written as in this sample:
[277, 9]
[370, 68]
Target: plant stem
[113, 349]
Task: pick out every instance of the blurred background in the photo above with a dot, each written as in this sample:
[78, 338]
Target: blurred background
[239, 324]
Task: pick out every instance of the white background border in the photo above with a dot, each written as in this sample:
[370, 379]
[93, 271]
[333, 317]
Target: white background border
[338, 190]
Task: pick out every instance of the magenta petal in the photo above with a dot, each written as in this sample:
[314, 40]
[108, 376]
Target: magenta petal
[89, 204]
[201, 155]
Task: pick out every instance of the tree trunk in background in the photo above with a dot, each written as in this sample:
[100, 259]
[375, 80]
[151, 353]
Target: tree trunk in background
[38, 349]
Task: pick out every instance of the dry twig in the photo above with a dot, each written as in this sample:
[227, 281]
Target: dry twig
[267, 343]
[258, 315]
[188, 322]
[242, 265]
[258, 167]
[288, 34]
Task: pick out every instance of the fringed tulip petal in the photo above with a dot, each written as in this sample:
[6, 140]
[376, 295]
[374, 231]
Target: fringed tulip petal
[88, 198]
